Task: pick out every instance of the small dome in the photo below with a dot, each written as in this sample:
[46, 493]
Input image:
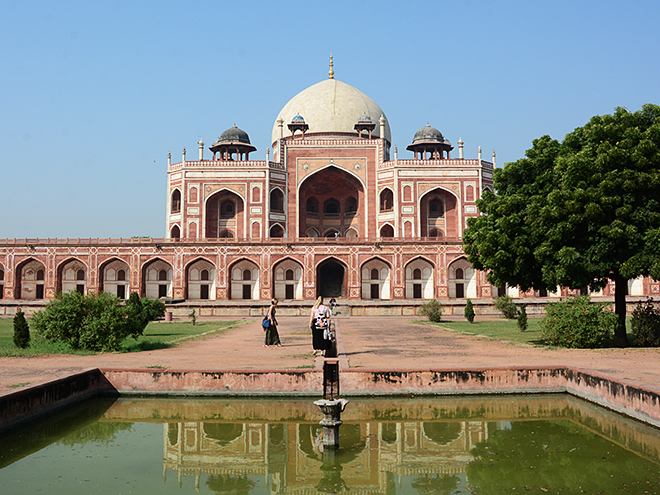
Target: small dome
[233, 135]
[298, 120]
[365, 119]
[428, 134]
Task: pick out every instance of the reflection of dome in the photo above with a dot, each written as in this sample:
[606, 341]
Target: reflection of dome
[330, 106]
[428, 134]
[233, 135]
[223, 433]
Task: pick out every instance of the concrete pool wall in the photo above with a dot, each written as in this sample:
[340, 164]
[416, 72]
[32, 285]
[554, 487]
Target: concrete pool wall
[629, 398]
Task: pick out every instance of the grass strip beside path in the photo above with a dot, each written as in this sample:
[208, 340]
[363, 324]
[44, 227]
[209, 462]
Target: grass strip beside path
[499, 329]
[157, 335]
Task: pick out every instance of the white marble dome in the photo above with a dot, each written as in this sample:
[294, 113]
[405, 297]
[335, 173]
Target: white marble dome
[331, 106]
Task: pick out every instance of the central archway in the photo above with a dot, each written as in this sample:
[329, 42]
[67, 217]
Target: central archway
[330, 279]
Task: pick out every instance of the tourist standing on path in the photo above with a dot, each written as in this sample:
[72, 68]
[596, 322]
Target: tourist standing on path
[272, 337]
[319, 322]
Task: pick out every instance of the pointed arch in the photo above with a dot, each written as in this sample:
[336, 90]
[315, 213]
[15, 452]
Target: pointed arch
[175, 201]
[386, 199]
[30, 279]
[386, 230]
[462, 279]
[200, 279]
[288, 279]
[157, 278]
[331, 277]
[175, 232]
[224, 211]
[439, 208]
[277, 200]
[71, 275]
[419, 274]
[277, 230]
[115, 276]
[375, 276]
[243, 279]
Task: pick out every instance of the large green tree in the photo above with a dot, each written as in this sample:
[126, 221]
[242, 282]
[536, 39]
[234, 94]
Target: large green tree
[577, 213]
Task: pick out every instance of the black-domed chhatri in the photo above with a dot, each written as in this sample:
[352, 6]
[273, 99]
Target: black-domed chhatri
[233, 140]
[430, 140]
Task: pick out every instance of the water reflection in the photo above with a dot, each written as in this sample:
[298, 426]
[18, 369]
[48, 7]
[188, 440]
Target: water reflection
[552, 444]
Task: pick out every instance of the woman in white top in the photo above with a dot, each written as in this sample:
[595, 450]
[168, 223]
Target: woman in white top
[319, 320]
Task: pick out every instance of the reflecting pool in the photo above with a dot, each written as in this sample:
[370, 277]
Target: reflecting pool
[456, 445]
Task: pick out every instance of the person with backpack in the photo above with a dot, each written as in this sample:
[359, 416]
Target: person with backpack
[272, 337]
[319, 322]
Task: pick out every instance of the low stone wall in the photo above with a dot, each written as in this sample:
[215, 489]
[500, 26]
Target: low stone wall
[31, 402]
[628, 398]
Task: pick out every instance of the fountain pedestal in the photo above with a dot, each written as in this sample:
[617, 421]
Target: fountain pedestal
[331, 421]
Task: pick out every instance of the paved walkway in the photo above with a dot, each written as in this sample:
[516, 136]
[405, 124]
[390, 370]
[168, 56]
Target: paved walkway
[387, 343]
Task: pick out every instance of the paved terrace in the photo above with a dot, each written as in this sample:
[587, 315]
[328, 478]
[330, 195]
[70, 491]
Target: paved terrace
[373, 343]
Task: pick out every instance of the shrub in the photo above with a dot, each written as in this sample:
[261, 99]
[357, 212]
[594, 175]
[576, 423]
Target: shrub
[469, 311]
[506, 306]
[193, 317]
[645, 324]
[21, 330]
[431, 309]
[522, 317]
[577, 323]
[97, 322]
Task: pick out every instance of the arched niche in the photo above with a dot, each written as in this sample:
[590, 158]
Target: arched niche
[244, 280]
[376, 279]
[288, 279]
[419, 279]
[30, 279]
[225, 215]
[462, 279]
[200, 280]
[330, 198]
[439, 213]
[115, 276]
[157, 279]
[72, 276]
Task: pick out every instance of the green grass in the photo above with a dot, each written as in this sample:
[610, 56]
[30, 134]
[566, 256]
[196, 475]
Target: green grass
[498, 329]
[157, 335]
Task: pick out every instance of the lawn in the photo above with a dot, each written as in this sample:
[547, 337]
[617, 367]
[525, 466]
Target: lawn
[158, 335]
[499, 329]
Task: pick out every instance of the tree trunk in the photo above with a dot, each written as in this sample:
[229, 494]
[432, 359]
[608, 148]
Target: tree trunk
[620, 291]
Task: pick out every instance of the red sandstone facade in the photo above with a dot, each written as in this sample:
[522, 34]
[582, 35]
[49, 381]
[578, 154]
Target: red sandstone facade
[332, 214]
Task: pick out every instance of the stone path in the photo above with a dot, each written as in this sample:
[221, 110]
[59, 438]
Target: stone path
[387, 343]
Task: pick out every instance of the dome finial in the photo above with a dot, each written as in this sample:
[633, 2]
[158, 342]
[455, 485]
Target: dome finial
[331, 73]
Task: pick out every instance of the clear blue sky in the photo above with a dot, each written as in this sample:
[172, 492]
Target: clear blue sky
[93, 95]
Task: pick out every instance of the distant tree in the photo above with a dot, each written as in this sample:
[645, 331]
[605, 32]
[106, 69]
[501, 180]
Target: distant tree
[522, 318]
[578, 213]
[21, 330]
[506, 306]
[469, 311]
[432, 310]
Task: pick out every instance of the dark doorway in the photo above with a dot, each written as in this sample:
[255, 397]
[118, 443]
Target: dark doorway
[330, 279]
[80, 288]
[40, 292]
[460, 290]
[288, 291]
[417, 291]
[375, 292]
[162, 290]
[247, 291]
[204, 291]
[121, 291]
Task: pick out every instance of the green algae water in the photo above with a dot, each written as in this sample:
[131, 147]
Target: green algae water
[460, 445]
